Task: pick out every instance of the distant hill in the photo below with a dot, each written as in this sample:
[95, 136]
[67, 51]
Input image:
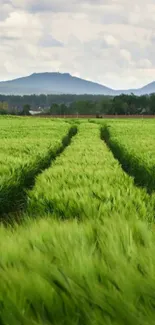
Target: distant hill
[146, 90]
[52, 83]
[63, 83]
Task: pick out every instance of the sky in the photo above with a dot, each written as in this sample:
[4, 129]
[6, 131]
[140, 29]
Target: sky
[107, 41]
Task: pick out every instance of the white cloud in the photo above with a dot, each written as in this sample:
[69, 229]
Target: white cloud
[109, 41]
[126, 54]
[144, 64]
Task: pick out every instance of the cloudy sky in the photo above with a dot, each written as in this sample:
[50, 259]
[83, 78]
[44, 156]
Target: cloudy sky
[108, 41]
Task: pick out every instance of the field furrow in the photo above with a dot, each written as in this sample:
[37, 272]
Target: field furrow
[133, 145]
[21, 159]
[87, 182]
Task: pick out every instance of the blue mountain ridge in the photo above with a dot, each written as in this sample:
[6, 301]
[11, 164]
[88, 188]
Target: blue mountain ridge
[63, 83]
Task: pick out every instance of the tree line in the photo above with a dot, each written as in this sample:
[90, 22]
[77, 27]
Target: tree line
[79, 104]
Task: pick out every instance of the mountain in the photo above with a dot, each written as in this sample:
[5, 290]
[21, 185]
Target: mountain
[52, 83]
[63, 83]
[146, 90]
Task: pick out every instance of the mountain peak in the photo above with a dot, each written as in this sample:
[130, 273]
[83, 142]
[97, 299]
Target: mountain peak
[52, 83]
[50, 74]
[63, 83]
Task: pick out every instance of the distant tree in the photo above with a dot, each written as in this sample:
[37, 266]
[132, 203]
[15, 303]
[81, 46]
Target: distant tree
[3, 108]
[105, 106]
[13, 110]
[63, 109]
[26, 110]
[54, 109]
[78, 104]
[152, 104]
[118, 106]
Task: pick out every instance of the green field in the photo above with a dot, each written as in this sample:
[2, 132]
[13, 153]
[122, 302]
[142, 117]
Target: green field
[77, 232]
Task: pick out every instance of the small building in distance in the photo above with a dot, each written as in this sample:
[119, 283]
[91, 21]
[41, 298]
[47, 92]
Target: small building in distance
[35, 112]
[39, 111]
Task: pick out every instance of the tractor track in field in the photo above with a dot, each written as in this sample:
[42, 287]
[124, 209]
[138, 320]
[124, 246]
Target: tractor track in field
[142, 177]
[15, 211]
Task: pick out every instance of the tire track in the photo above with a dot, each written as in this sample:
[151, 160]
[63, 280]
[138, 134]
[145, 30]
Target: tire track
[18, 192]
[129, 163]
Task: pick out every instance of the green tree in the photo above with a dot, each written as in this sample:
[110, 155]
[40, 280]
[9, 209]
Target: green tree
[119, 106]
[63, 109]
[54, 109]
[3, 108]
[26, 109]
[152, 104]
